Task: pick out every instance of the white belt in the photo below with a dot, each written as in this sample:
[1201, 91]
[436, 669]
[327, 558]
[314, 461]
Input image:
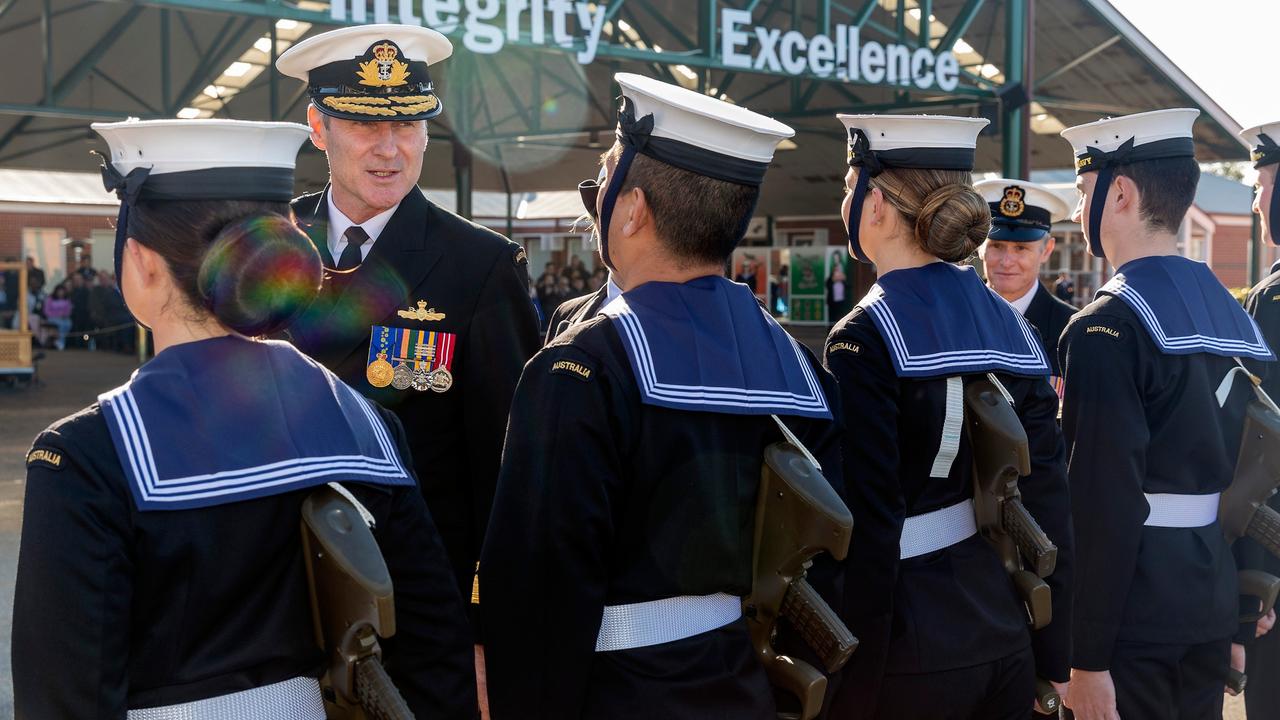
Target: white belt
[662, 621]
[925, 533]
[1182, 511]
[296, 699]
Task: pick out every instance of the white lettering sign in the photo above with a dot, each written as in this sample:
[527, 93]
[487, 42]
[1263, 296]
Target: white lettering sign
[581, 24]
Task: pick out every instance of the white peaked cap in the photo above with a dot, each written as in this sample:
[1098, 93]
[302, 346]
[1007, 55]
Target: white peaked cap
[702, 121]
[417, 43]
[1271, 130]
[1148, 127]
[171, 146]
[899, 132]
[1033, 194]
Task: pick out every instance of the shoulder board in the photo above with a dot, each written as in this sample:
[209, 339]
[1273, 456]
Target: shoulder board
[44, 457]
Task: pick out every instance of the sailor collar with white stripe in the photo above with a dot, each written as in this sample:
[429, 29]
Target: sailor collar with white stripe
[228, 419]
[940, 320]
[707, 346]
[1185, 309]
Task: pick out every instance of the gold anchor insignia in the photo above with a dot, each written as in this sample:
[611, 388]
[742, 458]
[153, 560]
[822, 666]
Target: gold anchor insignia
[384, 70]
[422, 313]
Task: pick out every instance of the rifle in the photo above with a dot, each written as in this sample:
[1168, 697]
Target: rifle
[352, 605]
[1243, 509]
[798, 515]
[1001, 454]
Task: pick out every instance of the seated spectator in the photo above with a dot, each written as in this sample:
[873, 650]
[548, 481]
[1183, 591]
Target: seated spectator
[57, 311]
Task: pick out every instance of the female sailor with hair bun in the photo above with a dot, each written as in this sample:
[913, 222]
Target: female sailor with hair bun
[161, 572]
[943, 632]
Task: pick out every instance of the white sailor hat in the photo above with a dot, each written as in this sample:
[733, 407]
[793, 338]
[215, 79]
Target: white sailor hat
[1265, 143]
[1021, 211]
[695, 132]
[938, 142]
[370, 72]
[1152, 135]
[197, 160]
[201, 159]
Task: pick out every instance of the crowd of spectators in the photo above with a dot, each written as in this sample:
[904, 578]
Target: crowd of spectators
[84, 310]
[557, 284]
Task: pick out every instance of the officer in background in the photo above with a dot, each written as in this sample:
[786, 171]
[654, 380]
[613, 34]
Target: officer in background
[621, 540]
[1152, 412]
[1019, 244]
[421, 310]
[1262, 699]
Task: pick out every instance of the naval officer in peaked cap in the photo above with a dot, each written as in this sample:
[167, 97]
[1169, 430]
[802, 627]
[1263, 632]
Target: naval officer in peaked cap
[421, 310]
[1153, 409]
[1263, 654]
[1022, 218]
[621, 543]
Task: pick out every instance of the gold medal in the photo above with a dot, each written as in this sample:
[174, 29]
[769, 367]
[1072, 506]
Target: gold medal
[402, 377]
[380, 373]
[421, 380]
[441, 379]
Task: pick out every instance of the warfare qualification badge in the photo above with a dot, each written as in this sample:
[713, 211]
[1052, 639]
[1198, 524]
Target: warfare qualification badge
[422, 313]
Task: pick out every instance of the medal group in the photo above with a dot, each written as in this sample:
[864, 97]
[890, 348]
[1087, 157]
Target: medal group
[419, 359]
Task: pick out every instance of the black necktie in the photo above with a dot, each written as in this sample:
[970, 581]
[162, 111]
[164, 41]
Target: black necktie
[355, 237]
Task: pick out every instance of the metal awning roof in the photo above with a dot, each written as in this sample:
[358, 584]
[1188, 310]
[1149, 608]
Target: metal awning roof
[534, 119]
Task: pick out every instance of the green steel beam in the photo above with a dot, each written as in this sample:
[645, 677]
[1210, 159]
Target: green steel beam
[929, 105]
[6, 5]
[126, 91]
[666, 24]
[1068, 67]
[36, 20]
[1015, 124]
[926, 24]
[214, 63]
[79, 71]
[40, 148]
[49, 111]
[165, 78]
[961, 24]
[46, 30]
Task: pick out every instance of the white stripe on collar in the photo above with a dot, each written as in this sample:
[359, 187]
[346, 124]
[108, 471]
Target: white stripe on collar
[813, 401]
[1122, 289]
[119, 405]
[1033, 360]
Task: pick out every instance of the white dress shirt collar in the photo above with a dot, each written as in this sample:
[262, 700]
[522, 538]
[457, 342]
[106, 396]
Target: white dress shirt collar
[339, 222]
[1024, 302]
[611, 290]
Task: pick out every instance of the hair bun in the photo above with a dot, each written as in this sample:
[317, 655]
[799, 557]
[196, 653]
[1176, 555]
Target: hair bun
[953, 221]
[259, 273]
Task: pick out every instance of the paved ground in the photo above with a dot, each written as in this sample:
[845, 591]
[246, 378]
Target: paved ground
[72, 380]
[69, 381]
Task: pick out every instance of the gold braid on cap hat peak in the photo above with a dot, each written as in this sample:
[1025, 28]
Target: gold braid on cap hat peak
[383, 106]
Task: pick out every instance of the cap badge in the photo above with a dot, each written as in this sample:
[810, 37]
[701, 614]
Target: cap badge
[384, 70]
[1012, 205]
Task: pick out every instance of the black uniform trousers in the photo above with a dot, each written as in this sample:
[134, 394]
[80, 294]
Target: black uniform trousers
[999, 690]
[1168, 682]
